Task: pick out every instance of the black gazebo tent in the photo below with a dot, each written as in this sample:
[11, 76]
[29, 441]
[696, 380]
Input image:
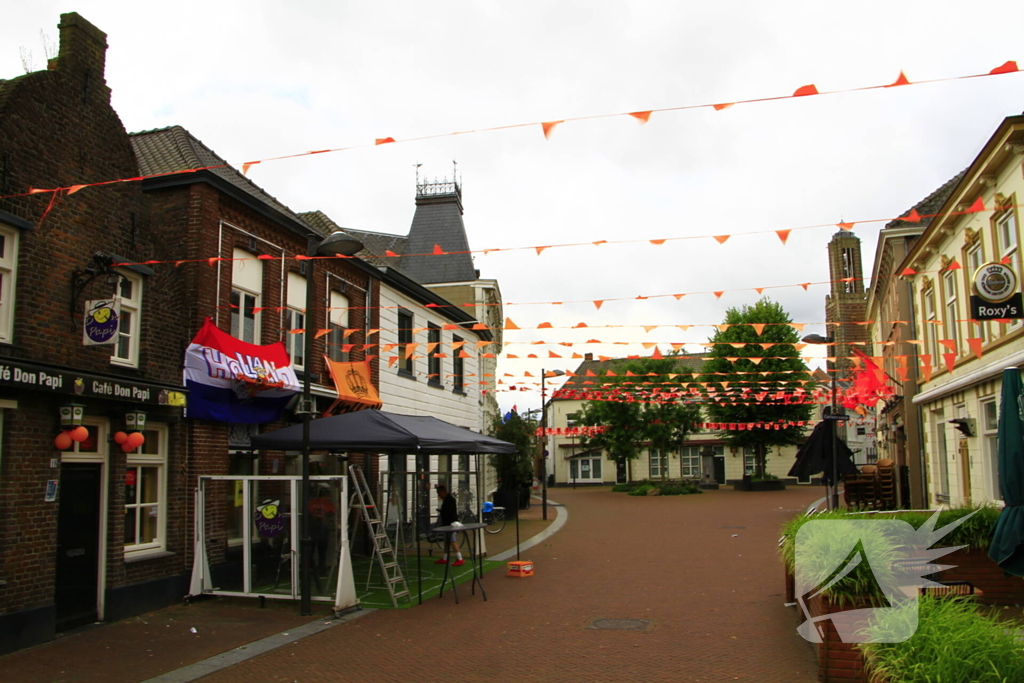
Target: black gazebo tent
[375, 431]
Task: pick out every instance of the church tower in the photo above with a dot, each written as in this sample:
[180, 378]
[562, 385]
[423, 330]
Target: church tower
[846, 304]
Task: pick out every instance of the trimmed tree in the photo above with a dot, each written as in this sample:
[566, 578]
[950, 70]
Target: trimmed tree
[636, 413]
[770, 390]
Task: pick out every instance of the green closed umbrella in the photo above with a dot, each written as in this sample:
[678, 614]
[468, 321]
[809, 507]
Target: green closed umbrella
[1007, 548]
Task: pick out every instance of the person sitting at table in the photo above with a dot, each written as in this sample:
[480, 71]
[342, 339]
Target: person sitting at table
[449, 514]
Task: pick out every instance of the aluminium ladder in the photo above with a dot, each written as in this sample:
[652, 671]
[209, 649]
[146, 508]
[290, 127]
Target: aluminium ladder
[383, 551]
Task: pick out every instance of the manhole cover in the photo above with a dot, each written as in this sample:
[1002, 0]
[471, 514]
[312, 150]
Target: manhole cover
[620, 624]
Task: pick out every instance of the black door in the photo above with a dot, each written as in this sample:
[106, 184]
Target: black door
[78, 540]
[720, 469]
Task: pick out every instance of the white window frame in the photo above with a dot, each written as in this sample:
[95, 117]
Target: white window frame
[246, 280]
[975, 259]
[1008, 240]
[133, 307]
[950, 310]
[576, 473]
[338, 324]
[295, 319]
[749, 461]
[930, 331]
[990, 447]
[940, 481]
[9, 284]
[157, 461]
[656, 462]
[688, 456]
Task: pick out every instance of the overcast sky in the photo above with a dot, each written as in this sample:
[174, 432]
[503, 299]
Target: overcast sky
[261, 79]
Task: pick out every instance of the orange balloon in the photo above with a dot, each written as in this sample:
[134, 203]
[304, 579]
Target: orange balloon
[136, 439]
[120, 437]
[127, 447]
[63, 441]
[79, 434]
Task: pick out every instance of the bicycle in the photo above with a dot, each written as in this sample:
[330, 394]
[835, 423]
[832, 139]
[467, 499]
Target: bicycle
[494, 518]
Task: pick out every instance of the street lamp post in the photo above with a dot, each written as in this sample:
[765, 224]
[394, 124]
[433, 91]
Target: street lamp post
[544, 442]
[833, 501]
[335, 244]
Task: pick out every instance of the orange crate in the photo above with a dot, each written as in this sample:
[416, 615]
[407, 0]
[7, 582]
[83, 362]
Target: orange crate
[520, 569]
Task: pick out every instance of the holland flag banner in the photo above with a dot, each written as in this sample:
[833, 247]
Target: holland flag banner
[230, 380]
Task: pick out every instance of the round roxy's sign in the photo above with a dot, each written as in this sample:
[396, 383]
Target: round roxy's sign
[995, 282]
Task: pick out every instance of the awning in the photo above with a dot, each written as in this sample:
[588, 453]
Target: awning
[355, 390]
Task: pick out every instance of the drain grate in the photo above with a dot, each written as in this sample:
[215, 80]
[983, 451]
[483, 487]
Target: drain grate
[620, 624]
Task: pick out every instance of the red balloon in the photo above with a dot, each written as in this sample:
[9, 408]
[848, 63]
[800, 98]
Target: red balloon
[63, 441]
[79, 434]
[127, 447]
[120, 437]
[136, 439]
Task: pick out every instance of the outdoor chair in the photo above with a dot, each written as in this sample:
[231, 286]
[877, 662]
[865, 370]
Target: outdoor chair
[861, 490]
[887, 484]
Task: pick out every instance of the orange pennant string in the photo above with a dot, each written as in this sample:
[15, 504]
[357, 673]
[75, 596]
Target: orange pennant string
[725, 105]
[805, 90]
[597, 303]
[678, 296]
[75, 188]
[247, 165]
[388, 252]
[975, 344]
[908, 271]
[438, 251]
[805, 285]
[759, 290]
[320, 333]
[1006, 68]
[579, 325]
[758, 327]
[658, 242]
[641, 116]
[721, 239]
[901, 80]
[912, 217]
[548, 126]
[718, 295]
[599, 243]
[509, 325]
[977, 206]
[783, 235]
[540, 249]
[543, 326]
[383, 141]
[846, 227]
[950, 359]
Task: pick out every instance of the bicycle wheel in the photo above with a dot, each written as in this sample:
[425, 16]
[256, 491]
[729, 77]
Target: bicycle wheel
[496, 522]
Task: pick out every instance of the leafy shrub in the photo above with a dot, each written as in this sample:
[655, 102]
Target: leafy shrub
[690, 488]
[766, 477]
[622, 488]
[642, 490]
[954, 642]
[673, 490]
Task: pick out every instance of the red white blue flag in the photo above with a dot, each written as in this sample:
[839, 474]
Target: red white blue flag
[230, 380]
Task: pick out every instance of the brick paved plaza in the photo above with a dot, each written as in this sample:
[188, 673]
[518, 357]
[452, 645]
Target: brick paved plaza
[715, 601]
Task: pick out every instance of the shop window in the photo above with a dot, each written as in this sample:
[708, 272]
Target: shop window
[145, 494]
[433, 351]
[405, 365]
[458, 366]
[338, 325]
[295, 321]
[951, 313]
[8, 278]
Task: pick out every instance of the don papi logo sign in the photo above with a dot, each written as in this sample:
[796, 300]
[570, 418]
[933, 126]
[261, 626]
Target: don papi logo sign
[102, 318]
[996, 293]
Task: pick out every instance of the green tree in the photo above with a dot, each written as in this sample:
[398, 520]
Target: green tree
[513, 468]
[636, 413]
[763, 391]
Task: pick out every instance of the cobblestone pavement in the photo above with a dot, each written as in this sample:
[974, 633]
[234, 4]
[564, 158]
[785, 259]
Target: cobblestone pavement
[702, 569]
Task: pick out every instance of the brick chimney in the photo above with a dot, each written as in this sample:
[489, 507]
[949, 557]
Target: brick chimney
[83, 56]
[588, 356]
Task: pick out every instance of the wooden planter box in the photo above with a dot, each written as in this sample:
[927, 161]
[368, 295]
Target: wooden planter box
[974, 565]
[770, 485]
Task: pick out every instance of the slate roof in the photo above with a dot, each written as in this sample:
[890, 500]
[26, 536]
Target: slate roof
[171, 149]
[931, 203]
[375, 244]
[685, 363]
[438, 221]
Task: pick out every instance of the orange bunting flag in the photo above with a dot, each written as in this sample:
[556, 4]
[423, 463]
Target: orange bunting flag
[609, 373]
[721, 239]
[783, 235]
[320, 333]
[908, 271]
[678, 296]
[544, 326]
[949, 344]
[759, 290]
[648, 328]
[597, 303]
[912, 217]
[725, 105]
[684, 328]
[658, 242]
[579, 325]
[657, 354]
[718, 295]
[383, 141]
[926, 366]
[74, 188]
[392, 360]
[438, 251]
[590, 373]
[388, 252]
[758, 327]
[247, 165]
[953, 265]
[950, 359]
[552, 354]
[846, 227]
[464, 354]
[977, 206]
[1006, 68]
[641, 116]
[799, 327]
[975, 344]
[902, 80]
[723, 327]
[548, 126]
[805, 90]
[805, 285]
[509, 325]
[540, 249]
